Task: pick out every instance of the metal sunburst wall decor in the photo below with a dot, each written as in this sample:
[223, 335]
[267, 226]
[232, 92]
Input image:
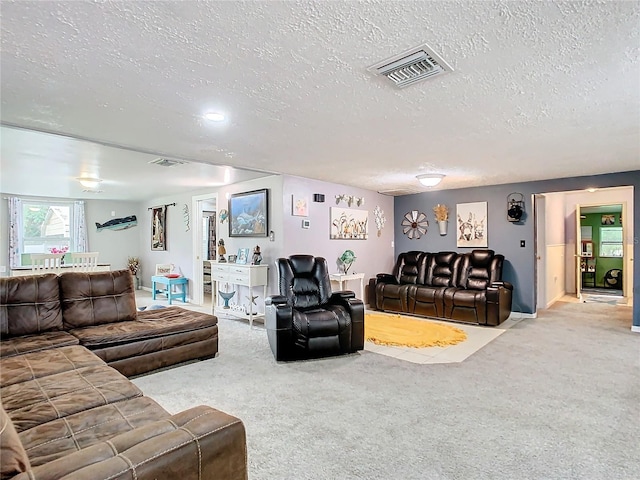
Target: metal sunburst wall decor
[414, 224]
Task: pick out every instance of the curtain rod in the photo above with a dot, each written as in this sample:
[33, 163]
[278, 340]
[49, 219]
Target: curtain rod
[165, 205]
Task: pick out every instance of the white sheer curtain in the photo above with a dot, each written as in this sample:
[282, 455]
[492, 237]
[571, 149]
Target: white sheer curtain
[15, 231]
[79, 240]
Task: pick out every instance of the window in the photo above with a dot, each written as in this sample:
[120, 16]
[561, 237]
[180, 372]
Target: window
[611, 241]
[46, 226]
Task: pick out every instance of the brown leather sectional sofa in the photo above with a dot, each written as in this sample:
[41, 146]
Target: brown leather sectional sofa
[69, 411]
[465, 287]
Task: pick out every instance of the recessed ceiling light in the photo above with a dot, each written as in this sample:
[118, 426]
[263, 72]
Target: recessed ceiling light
[430, 179]
[214, 116]
[89, 182]
[591, 190]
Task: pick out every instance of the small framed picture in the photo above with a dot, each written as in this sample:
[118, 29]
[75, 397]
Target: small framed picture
[243, 256]
[232, 258]
[608, 220]
[299, 206]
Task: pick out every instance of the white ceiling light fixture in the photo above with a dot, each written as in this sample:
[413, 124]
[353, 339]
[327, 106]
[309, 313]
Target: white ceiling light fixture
[89, 182]
[214, 116]
[430, 179]
[411, 66]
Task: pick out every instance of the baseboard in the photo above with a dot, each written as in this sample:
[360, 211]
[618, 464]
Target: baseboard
[635, 328]
[556, 299]
[523, 315]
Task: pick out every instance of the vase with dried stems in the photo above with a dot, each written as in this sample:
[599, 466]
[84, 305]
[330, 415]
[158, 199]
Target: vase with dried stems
[442, 216]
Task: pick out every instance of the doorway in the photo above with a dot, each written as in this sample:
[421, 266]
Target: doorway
[602, 252]
[204, 208]
[605, 255]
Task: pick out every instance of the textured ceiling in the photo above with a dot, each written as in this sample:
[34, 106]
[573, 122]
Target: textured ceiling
[540, 89]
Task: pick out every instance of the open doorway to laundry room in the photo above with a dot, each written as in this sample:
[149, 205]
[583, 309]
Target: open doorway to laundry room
[584, 246]
[602, 253]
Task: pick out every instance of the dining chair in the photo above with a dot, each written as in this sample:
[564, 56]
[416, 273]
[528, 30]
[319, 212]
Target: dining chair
[85, 261]
[46, 262]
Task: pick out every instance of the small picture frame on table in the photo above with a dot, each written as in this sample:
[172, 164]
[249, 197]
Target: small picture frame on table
[243, 256]
[232, 258]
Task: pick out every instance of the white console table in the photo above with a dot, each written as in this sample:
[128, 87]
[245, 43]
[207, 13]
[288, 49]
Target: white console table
[238, 274]
[341, 278]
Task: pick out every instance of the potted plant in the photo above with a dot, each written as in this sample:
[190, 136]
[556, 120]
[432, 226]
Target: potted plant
[134, 267]
[442, 216]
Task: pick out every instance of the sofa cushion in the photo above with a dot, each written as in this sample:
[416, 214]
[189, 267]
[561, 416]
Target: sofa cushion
[392, 297]
[22, 368]
[96, 298]
[61, 437]
[149, 324]
[466, 305]
[13, 457]
[29, 304]
[442, 269]
[476, 270]
[198, 443]
[34, 343]
[409, 267]
[41, 400]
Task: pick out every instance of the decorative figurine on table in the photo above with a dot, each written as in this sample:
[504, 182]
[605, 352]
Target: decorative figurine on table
[252, 302]
[226, 296]
[257, 256]
[221, 251]
[347, 259]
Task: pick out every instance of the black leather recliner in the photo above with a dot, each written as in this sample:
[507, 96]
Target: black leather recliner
[306, 320]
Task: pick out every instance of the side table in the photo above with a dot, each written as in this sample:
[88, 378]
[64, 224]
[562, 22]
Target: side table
[170, 282]
[341, 278]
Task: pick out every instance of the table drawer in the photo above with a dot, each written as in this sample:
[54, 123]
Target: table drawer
[239, 278]
[219, 268]
[220, 276]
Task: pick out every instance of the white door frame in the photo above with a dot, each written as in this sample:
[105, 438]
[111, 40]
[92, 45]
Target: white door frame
[197, 296]
[626, 265]
[540, 250]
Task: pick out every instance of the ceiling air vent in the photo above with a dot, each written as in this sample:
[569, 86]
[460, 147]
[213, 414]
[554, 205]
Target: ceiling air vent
[167, 162]
[412, 66]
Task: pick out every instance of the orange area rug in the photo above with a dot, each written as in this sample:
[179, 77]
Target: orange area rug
[402, 331]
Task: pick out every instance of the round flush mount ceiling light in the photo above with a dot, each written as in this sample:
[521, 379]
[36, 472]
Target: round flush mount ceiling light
[214, 116]
[430, 179]
[89, 182]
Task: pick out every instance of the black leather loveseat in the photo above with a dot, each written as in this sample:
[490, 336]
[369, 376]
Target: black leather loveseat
[465, 287]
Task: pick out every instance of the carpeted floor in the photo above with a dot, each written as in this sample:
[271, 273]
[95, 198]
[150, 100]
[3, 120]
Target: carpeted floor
[555, 397]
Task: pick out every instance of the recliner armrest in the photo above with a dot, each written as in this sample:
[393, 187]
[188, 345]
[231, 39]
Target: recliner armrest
[341, 295]
[386, 278]
[275, 300]
[506, 285]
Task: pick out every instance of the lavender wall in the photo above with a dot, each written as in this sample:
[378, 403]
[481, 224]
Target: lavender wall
[504, 237]
[374, 255]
